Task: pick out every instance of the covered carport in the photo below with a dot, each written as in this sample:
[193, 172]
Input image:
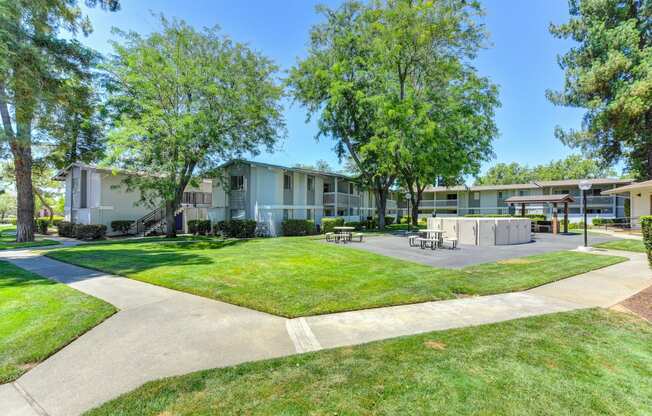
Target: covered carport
[555, 200]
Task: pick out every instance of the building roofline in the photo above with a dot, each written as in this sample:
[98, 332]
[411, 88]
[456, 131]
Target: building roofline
[292, 169]
[631, 187]
[531, 185]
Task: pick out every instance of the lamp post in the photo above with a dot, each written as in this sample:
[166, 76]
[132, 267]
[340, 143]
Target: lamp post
[584, 186]
[408, 196]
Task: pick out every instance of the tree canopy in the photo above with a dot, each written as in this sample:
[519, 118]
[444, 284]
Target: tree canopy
[186, 101]
[389, 81]
[572, 167]
[609, 73]
[36, 63]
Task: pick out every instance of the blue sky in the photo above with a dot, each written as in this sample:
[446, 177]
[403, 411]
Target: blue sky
[522, 61]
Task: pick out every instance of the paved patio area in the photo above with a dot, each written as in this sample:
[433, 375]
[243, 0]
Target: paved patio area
[466, 255]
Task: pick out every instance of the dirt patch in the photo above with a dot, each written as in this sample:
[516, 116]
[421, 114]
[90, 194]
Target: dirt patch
[640, 304]
[435, 345]
[518, 261]
[27, 366]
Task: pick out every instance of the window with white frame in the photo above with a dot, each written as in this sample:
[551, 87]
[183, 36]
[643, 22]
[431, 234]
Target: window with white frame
[287, 181]
[311, 183]
[309, 214]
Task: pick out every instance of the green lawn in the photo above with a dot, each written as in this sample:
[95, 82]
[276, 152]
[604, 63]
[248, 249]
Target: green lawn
[591, 362]
[8, 241]
[626, 245]
[299, 276]
[38, 317]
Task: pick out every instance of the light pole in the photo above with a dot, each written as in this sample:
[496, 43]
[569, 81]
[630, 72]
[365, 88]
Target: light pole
[585, 186]
[408, 196]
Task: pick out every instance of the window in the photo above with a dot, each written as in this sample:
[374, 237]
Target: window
[476, 196]
[521, 193]
[309, 214]
[83, 201]
[351, 188]
[327, 187]
[311, 183]
[500, 194]
[237, 183]
[451, 196]
[237, 214]
[287, 181]
[286, 214]
[564, 192]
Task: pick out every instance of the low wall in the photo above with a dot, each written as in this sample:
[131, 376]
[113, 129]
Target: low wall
[487, 231]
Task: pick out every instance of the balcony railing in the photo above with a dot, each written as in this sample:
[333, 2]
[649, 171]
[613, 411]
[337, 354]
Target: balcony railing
[343, 200]
[197, 198]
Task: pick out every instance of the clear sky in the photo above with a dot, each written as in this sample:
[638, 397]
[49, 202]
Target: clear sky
[522, 61]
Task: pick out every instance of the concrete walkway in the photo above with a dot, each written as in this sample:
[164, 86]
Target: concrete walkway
[160, 332]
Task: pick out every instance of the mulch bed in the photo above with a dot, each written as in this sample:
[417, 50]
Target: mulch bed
[640, 303]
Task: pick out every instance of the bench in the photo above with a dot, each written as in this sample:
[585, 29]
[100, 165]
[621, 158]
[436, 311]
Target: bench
[329, 237]
[428, 242]
[358, 235]
[412, 240]
[452, 241]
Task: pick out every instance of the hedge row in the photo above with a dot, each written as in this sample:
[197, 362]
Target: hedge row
[646, 227]
[121, 226]
[298, 227]
[236, 228]
[82, 231]
[605, 221]
[198, 227]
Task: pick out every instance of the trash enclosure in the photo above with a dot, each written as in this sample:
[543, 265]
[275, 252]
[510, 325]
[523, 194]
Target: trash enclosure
[484, 231]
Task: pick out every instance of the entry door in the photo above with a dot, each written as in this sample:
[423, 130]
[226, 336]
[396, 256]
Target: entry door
[178, 221]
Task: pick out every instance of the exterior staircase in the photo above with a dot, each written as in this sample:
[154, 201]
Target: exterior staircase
[153, 222]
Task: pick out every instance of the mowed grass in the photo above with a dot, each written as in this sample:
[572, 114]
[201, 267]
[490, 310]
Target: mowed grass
[299, 276]
[625, 245]
[590, 362]
[8, 241]
[38, 317]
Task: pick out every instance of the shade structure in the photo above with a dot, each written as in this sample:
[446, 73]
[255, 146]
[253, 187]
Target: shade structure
[545, 199]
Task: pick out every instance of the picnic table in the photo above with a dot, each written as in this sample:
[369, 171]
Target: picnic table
[343, 233]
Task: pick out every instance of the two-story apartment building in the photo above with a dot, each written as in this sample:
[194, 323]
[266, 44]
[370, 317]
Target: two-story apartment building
[490, 199]
[271, 193]
[98, 195]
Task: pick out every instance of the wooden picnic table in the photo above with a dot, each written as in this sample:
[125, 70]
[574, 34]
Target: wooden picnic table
[343, 231]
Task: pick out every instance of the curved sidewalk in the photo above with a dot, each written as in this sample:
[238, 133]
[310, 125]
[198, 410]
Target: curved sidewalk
[160, 332]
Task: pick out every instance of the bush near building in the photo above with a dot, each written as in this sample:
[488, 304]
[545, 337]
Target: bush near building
[646, 227]
[121, 226]
[199, 227]
[297, 227]
[82, 231]
[328, 224]
[236, 228]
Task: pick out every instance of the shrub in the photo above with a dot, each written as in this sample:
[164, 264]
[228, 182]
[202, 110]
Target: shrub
[328, 224]
[42, 225]
[202, 227]
[89, 231]
[56, 220]
[65, 229]
[355, 224]
[646, 227]
[389, 220]
[297, 227]
[121, 226]
[370, 223]
[236, 228]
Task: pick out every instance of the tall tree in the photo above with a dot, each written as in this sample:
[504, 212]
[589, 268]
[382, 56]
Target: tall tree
[338, 83]
[610, 74]
[34, 64]
[572, 167]
[7, 206]
[187, 100]
[435, 112]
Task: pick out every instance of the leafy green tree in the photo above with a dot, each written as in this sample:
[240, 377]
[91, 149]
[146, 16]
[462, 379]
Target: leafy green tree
[572, 167]
[185, 101]
[338, 82]
[609, 73]
[7, 206]
[435, 112]
[35, 61]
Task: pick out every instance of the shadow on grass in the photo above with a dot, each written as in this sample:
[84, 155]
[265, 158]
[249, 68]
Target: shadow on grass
[139, 258]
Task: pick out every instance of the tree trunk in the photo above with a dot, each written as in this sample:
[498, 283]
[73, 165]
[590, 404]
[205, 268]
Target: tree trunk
[415, 200]
[39, 195]
[170, 223]
[381, 205]
[22, 152]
